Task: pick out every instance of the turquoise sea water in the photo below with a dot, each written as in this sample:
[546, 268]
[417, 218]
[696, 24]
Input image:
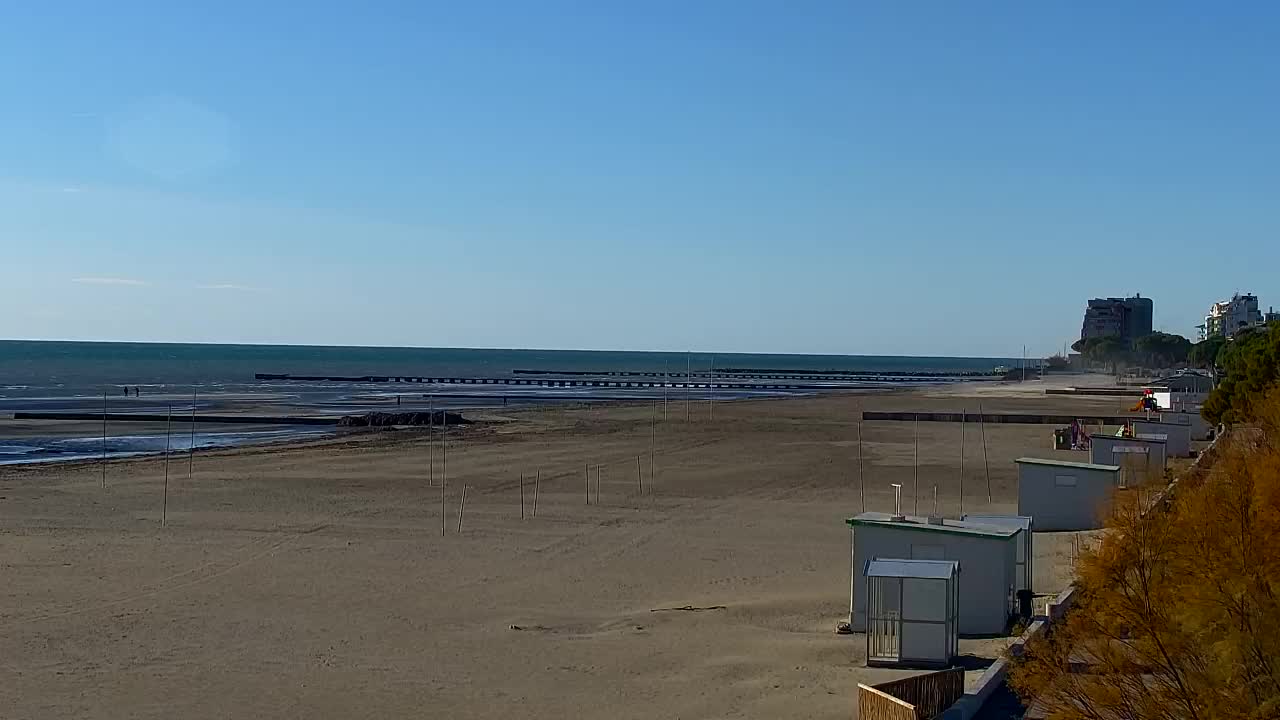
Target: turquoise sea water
[86, 369]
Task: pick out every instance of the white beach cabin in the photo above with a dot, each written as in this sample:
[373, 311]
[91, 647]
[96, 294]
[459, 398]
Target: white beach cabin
[1060, 495]
[987, 555]
[1136, 467]
[1026, 544]
[1200, 428]
[913, 612]
[1102, 450]
[1178, 436]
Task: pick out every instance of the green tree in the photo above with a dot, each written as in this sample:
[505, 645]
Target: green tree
[1109, 350]
[1057, 362]
[1204, 354]
[1162, 349]
[1178, 606]
[1251, 366]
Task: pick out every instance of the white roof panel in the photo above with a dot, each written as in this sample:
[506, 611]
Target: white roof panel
[921, 569]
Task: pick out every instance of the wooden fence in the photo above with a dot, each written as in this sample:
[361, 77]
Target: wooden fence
[919, 697]
[876, 705]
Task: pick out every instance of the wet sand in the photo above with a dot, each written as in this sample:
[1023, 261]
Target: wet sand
[313, 580]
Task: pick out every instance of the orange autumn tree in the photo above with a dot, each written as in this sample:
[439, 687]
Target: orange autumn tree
[1179, 609]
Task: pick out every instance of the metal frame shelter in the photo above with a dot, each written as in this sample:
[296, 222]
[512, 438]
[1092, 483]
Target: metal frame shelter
[912, 612]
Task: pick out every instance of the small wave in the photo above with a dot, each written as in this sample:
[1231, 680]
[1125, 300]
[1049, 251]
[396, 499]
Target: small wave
[17, 449]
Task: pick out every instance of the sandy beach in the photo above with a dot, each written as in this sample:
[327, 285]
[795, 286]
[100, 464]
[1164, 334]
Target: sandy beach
[313, 580]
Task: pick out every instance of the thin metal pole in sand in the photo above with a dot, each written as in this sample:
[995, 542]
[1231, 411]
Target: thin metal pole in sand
[688, 387]
[653, 443]
[711, 388]
[104, 440]
[537, 481]
[431, 440]
[168, 430]
[962, 419]
[586, 481]
[191, 451]
[666, 383]
[935, 501]
[862, 497]
[462, 506]
[444, 475]
[982, 426]
[599, 477]
[521, 496]
[915, 466]
[639, 477]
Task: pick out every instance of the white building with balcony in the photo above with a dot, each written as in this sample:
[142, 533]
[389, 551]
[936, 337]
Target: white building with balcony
[1229, 317]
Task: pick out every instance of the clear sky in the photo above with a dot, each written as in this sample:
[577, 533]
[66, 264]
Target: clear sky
[928, 178]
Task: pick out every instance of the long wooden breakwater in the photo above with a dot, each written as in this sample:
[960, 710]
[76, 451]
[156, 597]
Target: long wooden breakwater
[161, 417]
[553, 382]
[1005, 418]
[1105, 392]
[765, 374]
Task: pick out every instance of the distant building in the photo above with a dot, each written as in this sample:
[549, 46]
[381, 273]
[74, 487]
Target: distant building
[1125, 318]
[1229, 317]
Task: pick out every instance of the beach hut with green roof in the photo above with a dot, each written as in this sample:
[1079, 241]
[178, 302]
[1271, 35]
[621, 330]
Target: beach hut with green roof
[1060, 495]
[987, 557]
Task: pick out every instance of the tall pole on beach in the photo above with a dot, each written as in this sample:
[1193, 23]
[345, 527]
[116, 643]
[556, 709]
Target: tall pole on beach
[711, 385]
[962, 419]
[191, 450]
[444, 473]
[653, 443]
[462, 506]
[982, 427]
[431, 440]
[688, 387]
[915, 465]
[104, 440]
[168, 431]
[862, 497]
[666, 384]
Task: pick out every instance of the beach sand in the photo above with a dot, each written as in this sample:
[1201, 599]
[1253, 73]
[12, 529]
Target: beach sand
[313, 580]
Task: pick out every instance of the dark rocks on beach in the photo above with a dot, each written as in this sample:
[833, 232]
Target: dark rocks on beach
[387, 419]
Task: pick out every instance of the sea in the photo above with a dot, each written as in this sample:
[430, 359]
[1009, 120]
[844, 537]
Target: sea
[185, 377]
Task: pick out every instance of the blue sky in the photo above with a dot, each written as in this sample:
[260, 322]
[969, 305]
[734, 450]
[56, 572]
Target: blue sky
[867, 178]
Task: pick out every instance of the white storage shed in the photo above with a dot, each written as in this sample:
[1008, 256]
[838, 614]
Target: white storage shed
[1136, 467]
[1062, 495]
[1103, 451]
[1178, 436]
[987, 555]
[1200, 427]
[912, 614]
[1026, 544]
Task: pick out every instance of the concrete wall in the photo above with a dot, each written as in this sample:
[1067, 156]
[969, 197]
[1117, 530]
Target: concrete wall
[1102, 451]
[987, 571]
[1057, 507]
[1179, 442]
